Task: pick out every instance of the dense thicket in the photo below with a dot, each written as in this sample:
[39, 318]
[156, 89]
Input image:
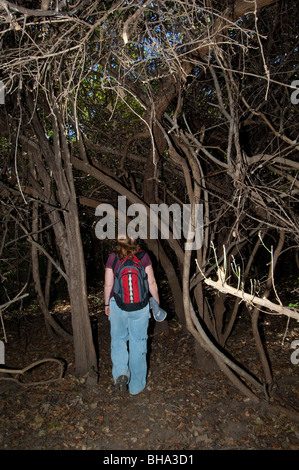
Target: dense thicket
[161, 102]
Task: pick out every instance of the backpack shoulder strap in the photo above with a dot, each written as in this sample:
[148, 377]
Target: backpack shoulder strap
[140, 254]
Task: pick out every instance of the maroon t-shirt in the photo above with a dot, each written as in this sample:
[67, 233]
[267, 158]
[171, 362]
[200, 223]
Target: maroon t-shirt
[145, 260]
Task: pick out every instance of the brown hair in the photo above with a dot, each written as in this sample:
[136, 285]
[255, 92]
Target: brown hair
[126, 246]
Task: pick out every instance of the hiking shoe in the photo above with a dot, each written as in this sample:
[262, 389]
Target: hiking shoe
[121, 384]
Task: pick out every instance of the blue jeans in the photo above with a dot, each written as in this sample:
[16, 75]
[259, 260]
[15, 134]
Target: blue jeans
[129, 345]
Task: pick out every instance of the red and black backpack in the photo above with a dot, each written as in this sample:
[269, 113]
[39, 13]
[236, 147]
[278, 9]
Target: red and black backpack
[130, 288]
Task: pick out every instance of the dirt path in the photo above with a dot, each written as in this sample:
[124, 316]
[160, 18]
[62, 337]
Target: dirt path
[182, 408]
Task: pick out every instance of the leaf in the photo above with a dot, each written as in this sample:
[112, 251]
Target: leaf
[37, 422]
[258, 420]
[55, 424]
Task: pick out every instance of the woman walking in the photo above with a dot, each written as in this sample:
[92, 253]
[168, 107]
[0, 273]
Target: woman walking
[128, 329]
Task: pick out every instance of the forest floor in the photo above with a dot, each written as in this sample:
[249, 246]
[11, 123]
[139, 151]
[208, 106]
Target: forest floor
[184, 407]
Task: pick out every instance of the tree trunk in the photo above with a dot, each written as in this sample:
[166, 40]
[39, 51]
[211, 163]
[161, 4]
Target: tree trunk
[68, 236]
[256, 312]
[85, 355]
[172, 278]
[51, 324]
